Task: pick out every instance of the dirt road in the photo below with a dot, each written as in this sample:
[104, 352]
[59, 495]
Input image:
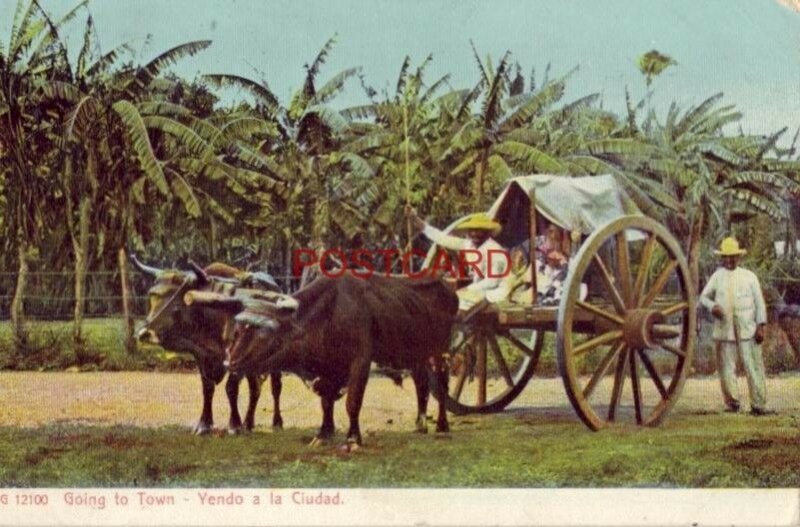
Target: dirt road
[29, 399]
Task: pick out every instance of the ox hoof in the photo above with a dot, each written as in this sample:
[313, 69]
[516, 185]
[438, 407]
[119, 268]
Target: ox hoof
[350, 446]
[318, 442]
[421, 425]
[235, 430]
[202, 429]
[277, 424]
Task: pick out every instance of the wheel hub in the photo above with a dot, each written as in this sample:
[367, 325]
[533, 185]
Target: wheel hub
[637, 329]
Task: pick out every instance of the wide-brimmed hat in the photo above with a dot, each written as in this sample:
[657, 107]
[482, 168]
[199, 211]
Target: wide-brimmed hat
[730, 247]
[479, 221]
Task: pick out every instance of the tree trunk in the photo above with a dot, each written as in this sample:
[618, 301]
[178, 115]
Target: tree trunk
[695, 238]
[81, 248]
[480, 172]
[127, 308]
[18, 302]
[213, 238]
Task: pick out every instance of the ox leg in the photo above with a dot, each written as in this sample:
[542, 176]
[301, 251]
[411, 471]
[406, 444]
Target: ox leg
[420, 376]
[206, 423]
[442, 376]
[232, 390]
[277, 386]
[254, 386]
[328, 394]
[359, 375]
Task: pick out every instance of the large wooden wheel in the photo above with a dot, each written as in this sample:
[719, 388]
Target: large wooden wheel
[490, 366]
[638, 323]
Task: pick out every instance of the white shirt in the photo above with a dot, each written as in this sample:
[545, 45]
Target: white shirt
[499, 261]
[737, 292]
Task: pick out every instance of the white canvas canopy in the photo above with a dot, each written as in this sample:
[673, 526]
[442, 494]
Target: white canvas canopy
[573, 203]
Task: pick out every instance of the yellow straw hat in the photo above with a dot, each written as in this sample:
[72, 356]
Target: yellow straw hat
[479, 221]
[730, 247]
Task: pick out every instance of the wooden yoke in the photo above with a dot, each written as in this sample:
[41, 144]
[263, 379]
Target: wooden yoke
[532, 248]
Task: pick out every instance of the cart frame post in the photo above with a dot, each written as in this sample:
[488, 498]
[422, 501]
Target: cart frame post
[532, 247]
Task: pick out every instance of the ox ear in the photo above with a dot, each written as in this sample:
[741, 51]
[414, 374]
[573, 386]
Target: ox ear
[146, 269]
[202, 277]
[213, 301]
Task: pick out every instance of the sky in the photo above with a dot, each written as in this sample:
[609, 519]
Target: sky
[748, 49]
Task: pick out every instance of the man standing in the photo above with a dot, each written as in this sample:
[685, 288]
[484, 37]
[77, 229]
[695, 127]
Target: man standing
[479, 228]
[733, 295]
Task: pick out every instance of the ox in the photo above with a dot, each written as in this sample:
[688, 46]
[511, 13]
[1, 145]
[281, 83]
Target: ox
[204, 333]
[337, 329]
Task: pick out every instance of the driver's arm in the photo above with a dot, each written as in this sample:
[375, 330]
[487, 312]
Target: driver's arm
[454, 243]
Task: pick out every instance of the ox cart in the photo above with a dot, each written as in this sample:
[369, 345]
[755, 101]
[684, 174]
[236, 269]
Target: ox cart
[625, 316]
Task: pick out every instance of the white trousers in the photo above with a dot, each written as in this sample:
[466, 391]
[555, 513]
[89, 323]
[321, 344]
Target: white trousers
[750, 354]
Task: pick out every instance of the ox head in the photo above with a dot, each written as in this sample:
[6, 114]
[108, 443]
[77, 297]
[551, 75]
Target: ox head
[168, 318]
[262, 320]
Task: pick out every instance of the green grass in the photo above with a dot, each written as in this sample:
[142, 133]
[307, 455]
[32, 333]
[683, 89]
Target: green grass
[51, 347]
[509, 450]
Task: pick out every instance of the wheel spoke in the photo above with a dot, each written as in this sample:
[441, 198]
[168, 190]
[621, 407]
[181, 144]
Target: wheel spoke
[601, 370]
[637, 392]
[460, 345]
[462, 376]
[651, 370]
[611, 317]
[659, 283]
[675, 308]
[591, 344]
[480, 371]
[644, 267]
[608, 282]
[624, 267]
[501, 362]
[518, 343]
[619, 382]
[673, 349]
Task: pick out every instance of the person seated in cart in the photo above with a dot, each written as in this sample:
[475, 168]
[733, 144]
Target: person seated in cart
[480, 229]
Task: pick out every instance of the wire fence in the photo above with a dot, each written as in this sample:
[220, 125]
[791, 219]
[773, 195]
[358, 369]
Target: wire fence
[50, 295]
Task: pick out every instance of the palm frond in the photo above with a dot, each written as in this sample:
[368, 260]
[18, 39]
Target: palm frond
[622, 147]
[541, 99]
[693, 115]
[433, 88]
[145, 74]
[182, 189]
[137, 133]
[260, 91]
[491, 109]
[102, 64]
[718, 151]
[755, 201]
[372, 142]
[360, 112]
[186, 137]
[528, 159]
[83, 55]
[333, 86]
[402, 77]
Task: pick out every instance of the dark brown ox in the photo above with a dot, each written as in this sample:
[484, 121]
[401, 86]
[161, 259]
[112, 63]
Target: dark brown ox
[204, 333]
[339, 328]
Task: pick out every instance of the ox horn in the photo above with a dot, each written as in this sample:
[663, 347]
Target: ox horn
[146, 269]
[278, 300]
[202, 277]
[213, 300]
